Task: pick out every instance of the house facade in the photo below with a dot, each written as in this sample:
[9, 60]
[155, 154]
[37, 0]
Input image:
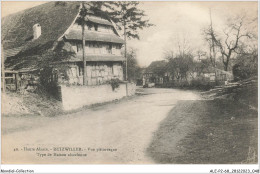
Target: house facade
[102, 50]
[48, 30]
[44, 45]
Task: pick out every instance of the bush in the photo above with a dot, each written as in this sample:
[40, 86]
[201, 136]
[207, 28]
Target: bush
[242, 71]
[201, 84]
[114, 83]
[245, 67]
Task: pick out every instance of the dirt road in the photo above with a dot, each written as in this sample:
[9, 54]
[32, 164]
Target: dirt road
[114, 133]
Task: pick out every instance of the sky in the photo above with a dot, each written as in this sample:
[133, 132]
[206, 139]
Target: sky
[175, 22]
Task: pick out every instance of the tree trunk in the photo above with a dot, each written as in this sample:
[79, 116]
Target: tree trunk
[84, 56]
[226, 66]
[225, 63]
[126, 75]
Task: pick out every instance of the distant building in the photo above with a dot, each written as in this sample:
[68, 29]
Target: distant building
[156, 73]
[214, 74]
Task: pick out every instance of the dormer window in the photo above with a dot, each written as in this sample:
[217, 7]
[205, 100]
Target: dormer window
[37, 31]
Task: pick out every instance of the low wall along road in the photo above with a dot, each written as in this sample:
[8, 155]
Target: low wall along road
[74, 97]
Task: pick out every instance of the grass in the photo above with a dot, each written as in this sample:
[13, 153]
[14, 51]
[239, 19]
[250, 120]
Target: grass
[212, 132]
[35, 104]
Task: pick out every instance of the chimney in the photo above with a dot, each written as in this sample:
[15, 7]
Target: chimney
[37, 31]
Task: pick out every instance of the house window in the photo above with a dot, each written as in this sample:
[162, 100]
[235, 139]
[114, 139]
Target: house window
[80, 71]
[96, 27]
[79, 47]
[74, 47]
[109, 48]
[118, 46]
[91, 48]
[98, 48]
[95, 48]
[108, 29]
[74, 72]
[116, 50]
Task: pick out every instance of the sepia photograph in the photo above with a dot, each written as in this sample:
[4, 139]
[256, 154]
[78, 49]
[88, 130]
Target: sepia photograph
[129, 82]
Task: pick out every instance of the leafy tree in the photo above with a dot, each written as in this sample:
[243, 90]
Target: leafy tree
[180, 65]
[127, 15]
[133, 70]
[246, 65]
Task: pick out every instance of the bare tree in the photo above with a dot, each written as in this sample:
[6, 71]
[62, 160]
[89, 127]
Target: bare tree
[212, 46]
[210, 35]
[179, 57]
[179, 45]
[183, 46]
[229, 44]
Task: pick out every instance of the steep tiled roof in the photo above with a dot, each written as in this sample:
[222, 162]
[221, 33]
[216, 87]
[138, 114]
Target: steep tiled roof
[54, 19]
[12, 52]
[156, 65]
[98, 21]
[94, 36]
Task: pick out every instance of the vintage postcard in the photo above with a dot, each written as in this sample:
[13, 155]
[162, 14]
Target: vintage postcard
[129, 82]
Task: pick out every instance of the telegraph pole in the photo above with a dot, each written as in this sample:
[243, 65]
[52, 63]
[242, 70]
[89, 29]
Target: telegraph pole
[84, 13]
[126, 76]
[213, 46]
